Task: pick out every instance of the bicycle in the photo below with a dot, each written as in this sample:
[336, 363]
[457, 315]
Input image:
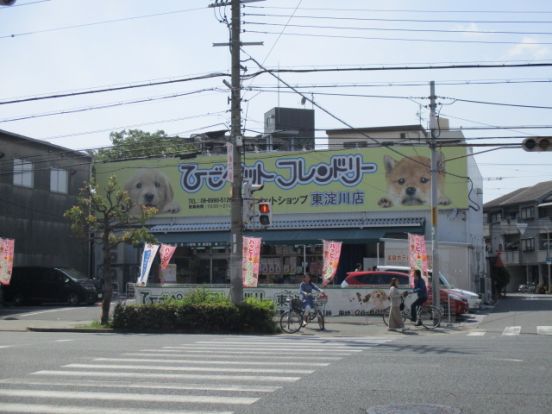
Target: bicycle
[428, 315]
[291, 320]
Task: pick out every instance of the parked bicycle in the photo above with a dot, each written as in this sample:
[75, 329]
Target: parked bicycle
[426, 314]
[292, 319]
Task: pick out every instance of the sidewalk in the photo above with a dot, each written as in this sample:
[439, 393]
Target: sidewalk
[336, 326]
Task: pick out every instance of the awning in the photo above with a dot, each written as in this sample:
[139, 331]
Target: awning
[310, 236]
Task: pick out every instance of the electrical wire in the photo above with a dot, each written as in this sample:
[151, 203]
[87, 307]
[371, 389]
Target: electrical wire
[109, 105]
[388, 29]
[97, 23]
[403, 39]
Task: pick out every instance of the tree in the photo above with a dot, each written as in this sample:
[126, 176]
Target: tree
[134, 143]
[103, 215]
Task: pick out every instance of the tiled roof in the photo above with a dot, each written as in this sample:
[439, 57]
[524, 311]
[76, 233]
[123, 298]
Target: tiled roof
[522, 195]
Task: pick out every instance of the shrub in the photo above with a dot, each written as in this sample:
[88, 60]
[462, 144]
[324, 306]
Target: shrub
[199, 312]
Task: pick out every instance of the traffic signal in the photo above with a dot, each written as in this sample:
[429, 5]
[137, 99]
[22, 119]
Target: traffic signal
[265, 213]
[249, 201]
[537, 144]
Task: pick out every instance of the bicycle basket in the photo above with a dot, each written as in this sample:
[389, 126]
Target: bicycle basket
[296, 305]
[322, 299]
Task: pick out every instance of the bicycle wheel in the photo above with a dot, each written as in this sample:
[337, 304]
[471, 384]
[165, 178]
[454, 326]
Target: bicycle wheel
[385, 315]
[320, 318]
[291, 321]
[430, 316]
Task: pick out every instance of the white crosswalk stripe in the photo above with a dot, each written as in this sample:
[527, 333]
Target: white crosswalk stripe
[206, 377]
[516, 331]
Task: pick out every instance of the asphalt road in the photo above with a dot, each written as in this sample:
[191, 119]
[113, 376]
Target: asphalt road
[492, 367]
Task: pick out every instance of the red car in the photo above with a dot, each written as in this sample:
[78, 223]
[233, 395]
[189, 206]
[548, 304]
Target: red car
[381, 280]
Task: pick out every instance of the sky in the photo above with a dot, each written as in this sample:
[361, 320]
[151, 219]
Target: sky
[67, 46]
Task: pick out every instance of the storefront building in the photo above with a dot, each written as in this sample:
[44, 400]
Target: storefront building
[357, 195]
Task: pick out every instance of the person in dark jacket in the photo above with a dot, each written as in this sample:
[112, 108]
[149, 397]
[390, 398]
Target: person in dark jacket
[421, 289]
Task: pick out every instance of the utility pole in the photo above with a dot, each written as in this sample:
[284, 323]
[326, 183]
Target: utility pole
[236, 141]
[236, 206]
[435, 171]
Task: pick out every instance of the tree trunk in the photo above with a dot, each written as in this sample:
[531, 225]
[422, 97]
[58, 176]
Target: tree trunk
[107, 281]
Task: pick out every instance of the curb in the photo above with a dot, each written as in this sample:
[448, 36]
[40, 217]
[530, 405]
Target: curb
[75, 330]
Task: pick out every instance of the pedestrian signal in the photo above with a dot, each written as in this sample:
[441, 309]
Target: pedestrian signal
[537, 144]
[265, 213]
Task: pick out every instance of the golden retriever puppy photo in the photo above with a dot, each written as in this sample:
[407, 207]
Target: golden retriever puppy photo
[151, 188]
[409, 181]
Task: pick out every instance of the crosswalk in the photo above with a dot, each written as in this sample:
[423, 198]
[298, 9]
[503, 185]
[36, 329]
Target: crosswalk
[516, 331]
[213, 376]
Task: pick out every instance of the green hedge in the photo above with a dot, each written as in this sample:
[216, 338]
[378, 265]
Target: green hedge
[198, 312]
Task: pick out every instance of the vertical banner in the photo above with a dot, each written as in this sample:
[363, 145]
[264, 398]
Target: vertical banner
[251, 260]
[147, 259]
[332, 251]
[6, 260]
[417, 256]
[165, 253]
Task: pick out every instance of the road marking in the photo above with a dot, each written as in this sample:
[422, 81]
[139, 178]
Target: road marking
[114, 396]
[245, 349]
[57, 409]
[309, 344]
[544, 330]
[477, 333]
[46, 311]
[211, 362]
[6, 346]
[160, 353]
[255, 378]
[187, 368]
[511, 331]
[101, 384]
[250, 353]
[64, 340]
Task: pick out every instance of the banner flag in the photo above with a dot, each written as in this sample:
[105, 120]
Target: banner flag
[417, 256]
[6, 260]
[251, 260]
[147, 259]
[332, 252]
[166, 251]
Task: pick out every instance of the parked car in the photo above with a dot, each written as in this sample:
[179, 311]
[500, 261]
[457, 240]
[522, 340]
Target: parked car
[381, 279]
[474, 300]
[49, 284]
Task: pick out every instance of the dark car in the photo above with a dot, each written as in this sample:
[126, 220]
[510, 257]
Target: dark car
[49, 284]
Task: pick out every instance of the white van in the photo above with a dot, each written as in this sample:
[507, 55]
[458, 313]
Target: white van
[474, 301]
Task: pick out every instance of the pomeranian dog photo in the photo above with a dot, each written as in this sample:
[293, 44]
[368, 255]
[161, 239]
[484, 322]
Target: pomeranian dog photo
[409, 181]
[151, 188]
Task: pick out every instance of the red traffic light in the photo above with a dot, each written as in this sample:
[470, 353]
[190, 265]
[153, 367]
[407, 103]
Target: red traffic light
[265, 213]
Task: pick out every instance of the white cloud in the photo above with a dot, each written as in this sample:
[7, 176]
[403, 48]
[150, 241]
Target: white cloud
[528, 49]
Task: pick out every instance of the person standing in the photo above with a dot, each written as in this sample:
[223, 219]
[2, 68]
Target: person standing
[395, 320]
[421, 289]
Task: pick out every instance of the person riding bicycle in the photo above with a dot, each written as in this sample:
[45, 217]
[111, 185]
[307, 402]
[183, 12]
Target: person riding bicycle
[305, 293]
[421, 289]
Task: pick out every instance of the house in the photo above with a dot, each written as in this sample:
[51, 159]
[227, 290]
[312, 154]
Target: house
[39, 181]
[518, 231]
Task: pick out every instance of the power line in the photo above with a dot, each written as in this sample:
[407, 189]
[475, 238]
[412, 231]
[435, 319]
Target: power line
[370, 10]
[109, 105]
[113, 89]
[376, 19]
[401, 39]
[388, 29]
[100, 22]
[495, 103]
